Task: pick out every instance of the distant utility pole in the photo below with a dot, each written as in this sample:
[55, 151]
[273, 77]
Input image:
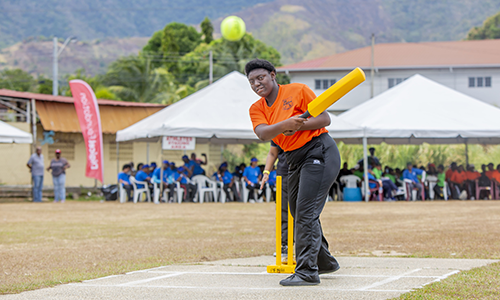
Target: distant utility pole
[373, 64]
[211, 67]
[55, 75]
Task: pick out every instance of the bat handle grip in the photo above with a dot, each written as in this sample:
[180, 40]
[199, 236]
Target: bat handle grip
[305, 115]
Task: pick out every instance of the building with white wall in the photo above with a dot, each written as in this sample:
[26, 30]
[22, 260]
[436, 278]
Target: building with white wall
[470, 67]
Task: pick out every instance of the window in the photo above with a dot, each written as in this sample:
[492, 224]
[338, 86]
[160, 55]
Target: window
[126, 150]
[480, 81]
[323, 84]
[487, 81]
[317, 84]
[326, 84]
[391, 82]
[472, 81]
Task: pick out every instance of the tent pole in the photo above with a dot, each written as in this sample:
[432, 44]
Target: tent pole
[365, 168]
[162, 168]
[466, 154]
[117, 161]
[147, 153]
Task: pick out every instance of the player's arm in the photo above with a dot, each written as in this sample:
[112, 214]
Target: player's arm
[318, 122]
[272, 155]
[267, 132]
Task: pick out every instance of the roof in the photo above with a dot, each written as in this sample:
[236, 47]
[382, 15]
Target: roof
[409, 55]
[412, 113]
[63, 99]
[58, 113]
[11, 134]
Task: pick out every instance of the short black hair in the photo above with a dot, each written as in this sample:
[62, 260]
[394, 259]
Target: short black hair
[259, 64]
[125, 167]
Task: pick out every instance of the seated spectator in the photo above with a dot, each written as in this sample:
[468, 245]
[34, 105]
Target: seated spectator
[388, 186]
[391, 175]
[188, 166]
[227, 179]
[251, 177]
[472, 176]
[198, 170]
[156, 177]
[412, 173]
[398, 174]
[358, 171]
[431, 169]
[272, 182]
[142, 175]
[124, 180]
[152, 168]
[439, 187]
[458, 184]
[483, 181]
[496, 175]
[131, 164]
[189, 188]
[449, 172]
[491, 170]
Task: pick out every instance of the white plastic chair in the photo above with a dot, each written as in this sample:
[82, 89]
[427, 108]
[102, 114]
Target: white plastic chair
[350, 181]
[179, 193]
[205, 185]
[122, 194]
[139, 191]
[244, 193]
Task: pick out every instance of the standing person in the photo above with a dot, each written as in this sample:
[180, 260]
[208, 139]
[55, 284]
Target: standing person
[198, 170]
[58, 166]
[275, 152]
[313, 161]
[36, 166]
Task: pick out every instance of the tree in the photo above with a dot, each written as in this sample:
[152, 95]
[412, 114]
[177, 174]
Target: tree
[134, 79]
[207, 29]
[44, 85]
[17, 80]
[227, 57]
[177, 40]
[489, 30]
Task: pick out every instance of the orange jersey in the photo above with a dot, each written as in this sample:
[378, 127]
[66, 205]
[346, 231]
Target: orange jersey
[459, 177]
[472, 175]
[496, 176]
[292, 100]
[449, 174]
[489, 174]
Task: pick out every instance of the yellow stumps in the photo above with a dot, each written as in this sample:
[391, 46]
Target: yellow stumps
[289, 267]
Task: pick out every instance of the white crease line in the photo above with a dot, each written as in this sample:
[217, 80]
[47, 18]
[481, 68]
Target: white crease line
[310, 288]
[390, 279]
[440, 278]
[110, 276]
[146, 270]
[150, 279]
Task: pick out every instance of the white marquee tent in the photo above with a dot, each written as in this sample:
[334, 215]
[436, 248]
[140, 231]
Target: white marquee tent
[218, 113]
[10, 134]
[420, 110]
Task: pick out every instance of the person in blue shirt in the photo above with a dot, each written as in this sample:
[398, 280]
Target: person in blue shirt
[152, 168]
[188, 166]
[251, 176]
[412, 173]
[124, 180]
[224, 176]
[142, 175]
[198, 170]
[189, 188]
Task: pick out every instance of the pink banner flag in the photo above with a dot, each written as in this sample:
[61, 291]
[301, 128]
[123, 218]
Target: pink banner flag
[90, 124]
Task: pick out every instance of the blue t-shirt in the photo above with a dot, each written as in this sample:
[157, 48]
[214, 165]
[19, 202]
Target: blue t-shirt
[252, 174]
[188, 166]
[198, 170]
[124, 176]
[141, 176]
[272, 178]
[225, 178]
[176, 176]
[372, 185]
[412, 175]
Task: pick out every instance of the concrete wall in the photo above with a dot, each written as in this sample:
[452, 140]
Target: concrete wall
[455, 78]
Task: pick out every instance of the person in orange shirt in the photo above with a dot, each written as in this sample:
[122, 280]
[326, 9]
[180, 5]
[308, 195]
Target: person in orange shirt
[472, 176]
[491, 170]
[496, 175]
[458, 182]
[313, 160]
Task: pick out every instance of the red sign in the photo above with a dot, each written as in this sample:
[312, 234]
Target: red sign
[178, 143]
[90, 124]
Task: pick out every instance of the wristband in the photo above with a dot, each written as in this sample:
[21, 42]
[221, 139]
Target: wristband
[266, 172]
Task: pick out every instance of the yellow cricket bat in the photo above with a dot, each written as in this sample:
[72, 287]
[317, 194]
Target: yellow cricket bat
[334, 93]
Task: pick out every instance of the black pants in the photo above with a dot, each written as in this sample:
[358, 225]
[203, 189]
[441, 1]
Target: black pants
[251, 188]
[128, 189]
[312, 170]
[227, 189]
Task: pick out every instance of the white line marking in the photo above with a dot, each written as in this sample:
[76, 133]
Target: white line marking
[440, 278]
[390, 279]
[101, 278]
[315, 288]
[150, 279]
